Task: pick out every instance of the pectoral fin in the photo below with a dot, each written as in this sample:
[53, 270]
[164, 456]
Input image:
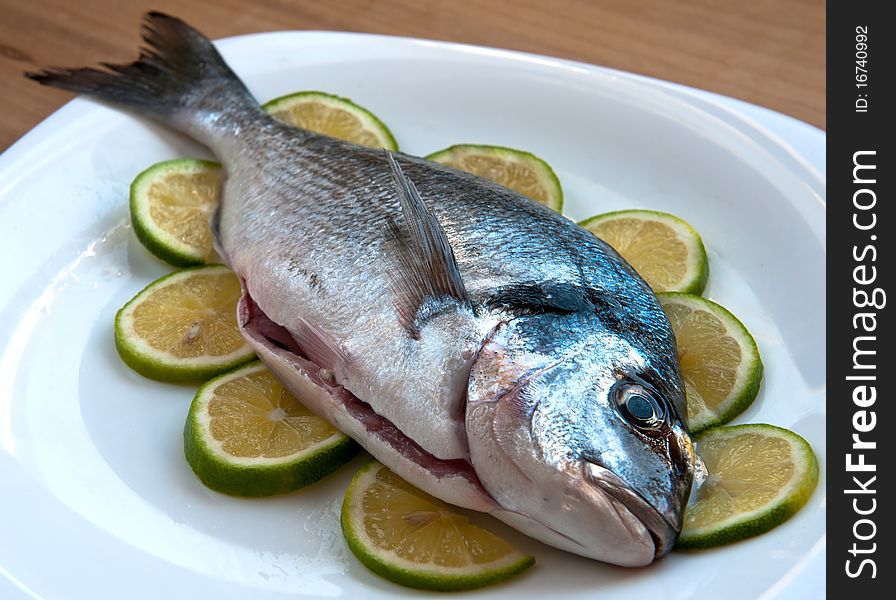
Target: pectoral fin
[427, 271]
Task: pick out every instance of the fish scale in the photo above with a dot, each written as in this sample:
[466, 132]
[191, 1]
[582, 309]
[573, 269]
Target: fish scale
[477, 343]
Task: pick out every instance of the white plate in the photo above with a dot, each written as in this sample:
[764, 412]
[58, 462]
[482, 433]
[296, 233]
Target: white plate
[97, 501]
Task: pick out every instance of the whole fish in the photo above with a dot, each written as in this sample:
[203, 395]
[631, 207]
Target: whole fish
[480, 345]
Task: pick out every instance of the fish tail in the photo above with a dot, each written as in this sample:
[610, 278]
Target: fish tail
[178, 79]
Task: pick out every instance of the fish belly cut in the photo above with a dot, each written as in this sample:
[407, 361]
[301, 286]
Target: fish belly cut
[452, 480]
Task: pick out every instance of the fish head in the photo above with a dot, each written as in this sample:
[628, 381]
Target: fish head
[575, 431]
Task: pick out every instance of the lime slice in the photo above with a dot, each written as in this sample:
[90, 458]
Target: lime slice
[411, 538]
[333, 116]
[520, 171]
[171, 204]
[719, 359]
[182, 327]
[757, 477]
[662, 248]
[247, 436]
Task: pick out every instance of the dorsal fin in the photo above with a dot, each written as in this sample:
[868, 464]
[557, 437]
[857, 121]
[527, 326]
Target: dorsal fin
[428, 269]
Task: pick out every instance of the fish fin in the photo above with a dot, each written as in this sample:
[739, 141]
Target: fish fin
[318, 347]
[538, 298]
[428, 269]
[178, 75]
[303, 340]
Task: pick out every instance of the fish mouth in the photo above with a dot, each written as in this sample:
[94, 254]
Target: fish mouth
[663, 528]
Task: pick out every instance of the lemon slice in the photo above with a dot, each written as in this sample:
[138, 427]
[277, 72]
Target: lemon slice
[719, 359]
[757, 477]
[662, 248]
[333, 116]
[246, 435]
[182, 327]
[411, 538]
[171, 204]
[520, 171]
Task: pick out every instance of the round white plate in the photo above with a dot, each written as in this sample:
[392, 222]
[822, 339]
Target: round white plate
[97, 500]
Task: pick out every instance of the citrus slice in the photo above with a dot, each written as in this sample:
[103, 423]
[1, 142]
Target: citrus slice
[719, 359]
[411, 538]
[520, 171]
[171, 204]
[246, 435]
[757, 477]
[182, 327]
[333, 116]
[662, 248]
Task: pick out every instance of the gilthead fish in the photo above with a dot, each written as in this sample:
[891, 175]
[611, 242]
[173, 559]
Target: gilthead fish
[478, 344]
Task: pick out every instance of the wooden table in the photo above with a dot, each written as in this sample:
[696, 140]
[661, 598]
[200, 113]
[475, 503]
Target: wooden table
[769, 52]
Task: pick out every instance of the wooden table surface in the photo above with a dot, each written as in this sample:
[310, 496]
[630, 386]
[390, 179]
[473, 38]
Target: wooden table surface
[769, 52]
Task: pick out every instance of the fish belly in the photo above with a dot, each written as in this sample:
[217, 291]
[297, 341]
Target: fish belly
[453, 480]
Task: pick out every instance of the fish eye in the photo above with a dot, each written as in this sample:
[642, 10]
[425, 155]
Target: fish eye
[641, 407]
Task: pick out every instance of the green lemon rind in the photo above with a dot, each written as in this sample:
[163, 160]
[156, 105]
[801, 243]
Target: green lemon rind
[545, 172]
[371, 122]
[750, 372]
[407, 573]
[765, 518]
[256, 477]
[159, 366]
[697, 275]
[159, 242]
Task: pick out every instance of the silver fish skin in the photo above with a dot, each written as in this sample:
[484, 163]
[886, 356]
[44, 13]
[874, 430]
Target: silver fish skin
[480, 345]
